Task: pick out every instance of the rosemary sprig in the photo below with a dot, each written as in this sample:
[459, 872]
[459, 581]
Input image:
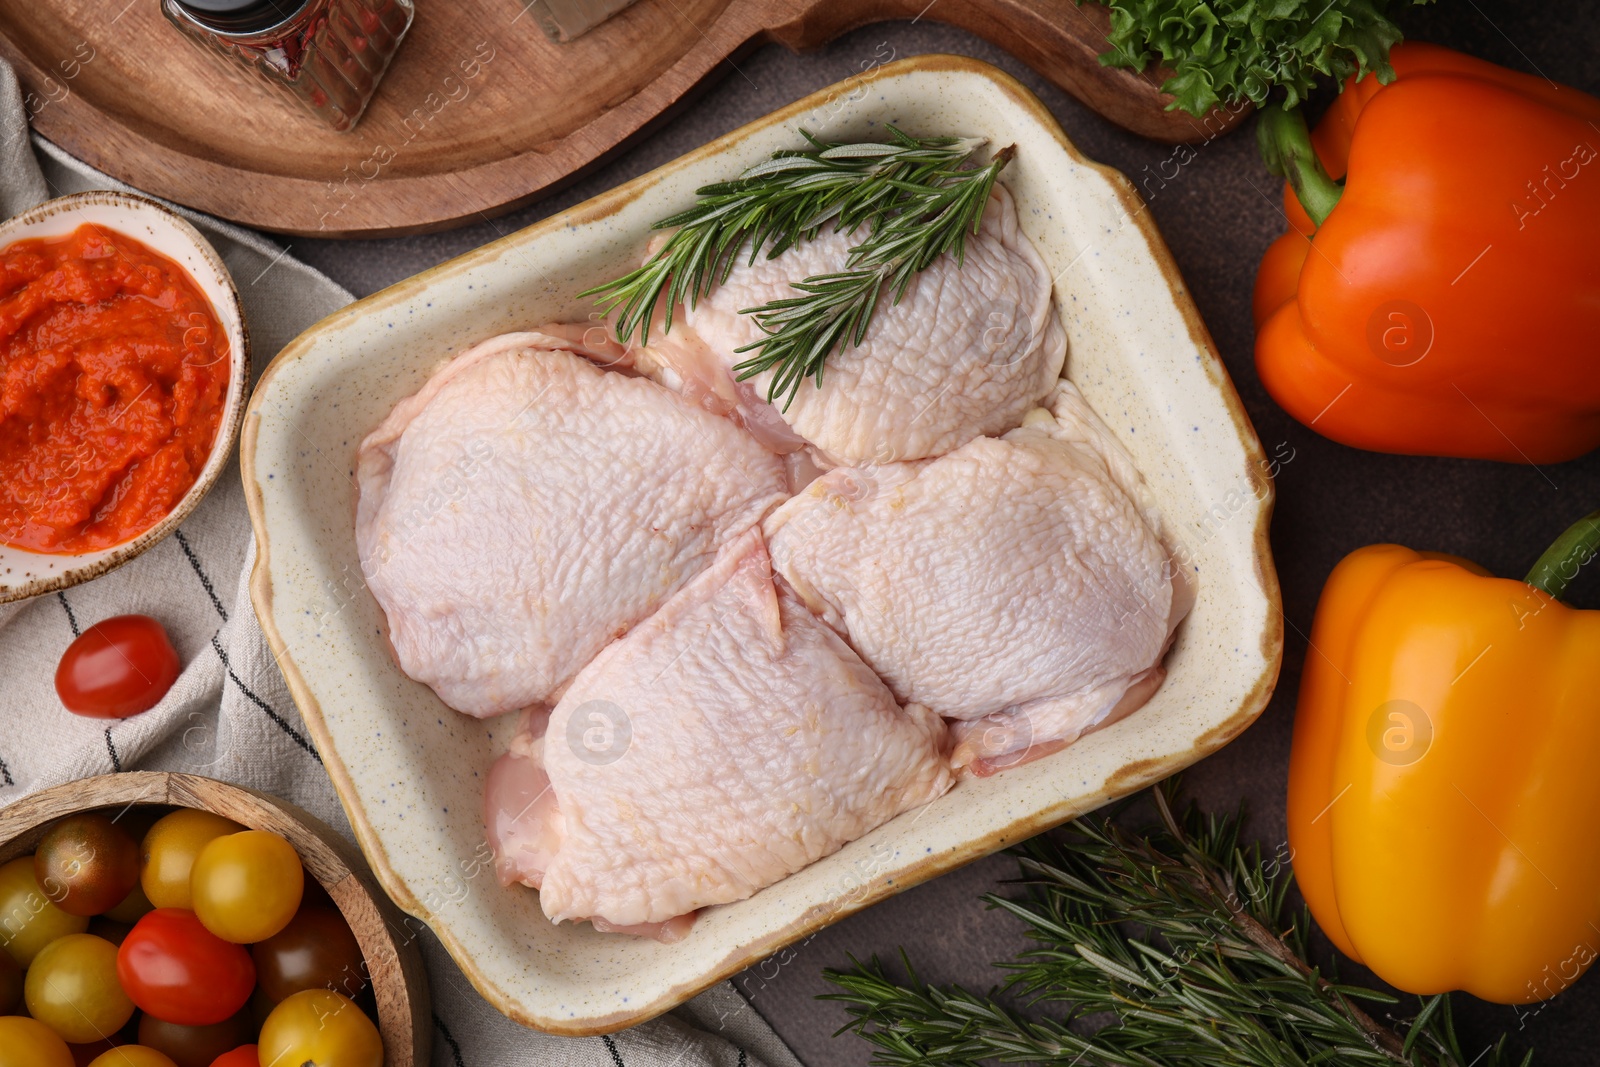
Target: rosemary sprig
[1182, 937]
[834, 309]
[916, 196]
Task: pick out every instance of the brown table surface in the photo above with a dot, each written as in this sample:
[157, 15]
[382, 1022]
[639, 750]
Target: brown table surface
[1331, 499]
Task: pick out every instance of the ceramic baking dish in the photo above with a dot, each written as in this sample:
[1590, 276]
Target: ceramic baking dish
[410, 772]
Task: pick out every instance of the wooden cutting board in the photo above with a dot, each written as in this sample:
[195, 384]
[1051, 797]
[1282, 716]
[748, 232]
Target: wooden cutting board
[480, 112]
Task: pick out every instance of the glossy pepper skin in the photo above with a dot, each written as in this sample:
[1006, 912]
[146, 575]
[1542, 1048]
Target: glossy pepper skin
[1444, 792]
[1449, 304]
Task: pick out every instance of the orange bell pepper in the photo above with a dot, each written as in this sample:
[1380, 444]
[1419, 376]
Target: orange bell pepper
[1445, 300]
[1444, 804]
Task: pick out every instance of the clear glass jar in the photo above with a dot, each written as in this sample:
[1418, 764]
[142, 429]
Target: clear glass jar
[327, 54]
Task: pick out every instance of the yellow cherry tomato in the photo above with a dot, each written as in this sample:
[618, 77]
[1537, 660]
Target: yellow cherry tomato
[27, 1042]
[131, 1056]
[28, 921]
[72, 988]
[168, 852]
[320, 1027]
[247, 886]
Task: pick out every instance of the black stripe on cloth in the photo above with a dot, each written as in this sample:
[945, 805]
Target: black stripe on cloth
[72, 620]
[611, 1047]
[449, 1039]
[5, 773]
[742, 1056]
[262, 704]
[199, 571]
[111, 747]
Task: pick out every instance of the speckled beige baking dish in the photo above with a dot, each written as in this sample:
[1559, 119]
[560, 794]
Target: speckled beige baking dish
[410, 771]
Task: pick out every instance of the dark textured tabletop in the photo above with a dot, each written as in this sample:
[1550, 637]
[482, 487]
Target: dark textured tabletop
[1217, 215]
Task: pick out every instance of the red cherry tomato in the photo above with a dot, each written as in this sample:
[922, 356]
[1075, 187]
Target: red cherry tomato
[172, 967]
[243, 1056]
[116, 668]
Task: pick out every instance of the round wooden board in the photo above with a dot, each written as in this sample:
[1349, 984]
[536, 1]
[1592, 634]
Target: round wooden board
[387, 939]
[480, 112]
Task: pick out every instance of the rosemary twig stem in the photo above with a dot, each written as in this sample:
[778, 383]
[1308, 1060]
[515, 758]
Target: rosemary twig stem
[1379, 1036]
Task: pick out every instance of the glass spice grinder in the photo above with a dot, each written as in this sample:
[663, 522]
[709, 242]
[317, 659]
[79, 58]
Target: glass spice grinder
[327, 54]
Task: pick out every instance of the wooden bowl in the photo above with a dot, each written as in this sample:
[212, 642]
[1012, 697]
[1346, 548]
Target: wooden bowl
[387, 939]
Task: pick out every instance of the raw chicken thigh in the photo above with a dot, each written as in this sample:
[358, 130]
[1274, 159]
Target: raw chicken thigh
[527, 507]
[1019, 584]
[968, 351]
[725, 743]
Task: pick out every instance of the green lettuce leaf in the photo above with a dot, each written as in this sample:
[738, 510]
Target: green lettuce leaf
[1223, 52]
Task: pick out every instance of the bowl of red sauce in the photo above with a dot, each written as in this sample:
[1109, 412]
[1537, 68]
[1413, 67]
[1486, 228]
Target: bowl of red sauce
[124, 365]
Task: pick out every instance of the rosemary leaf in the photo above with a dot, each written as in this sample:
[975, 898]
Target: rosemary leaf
[1179, 934]
[917, 198]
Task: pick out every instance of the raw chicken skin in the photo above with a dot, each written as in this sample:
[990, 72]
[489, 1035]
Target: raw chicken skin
[526, 507]
[723, 744]
[525, 826]
[1019, 583]
[967, 351]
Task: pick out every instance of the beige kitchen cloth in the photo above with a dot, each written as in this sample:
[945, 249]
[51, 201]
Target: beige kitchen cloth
[229, 715]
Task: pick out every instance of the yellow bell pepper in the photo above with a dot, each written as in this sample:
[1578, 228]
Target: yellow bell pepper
[1444, 782]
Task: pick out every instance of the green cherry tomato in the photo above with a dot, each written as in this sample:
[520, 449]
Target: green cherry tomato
[167, 854]
[247, 886]
[72, 988]
[177, 970]
[315, 951]
[27, 1042]
[87, 864]
[321, 1027]
[28, 921]
[195, 1046]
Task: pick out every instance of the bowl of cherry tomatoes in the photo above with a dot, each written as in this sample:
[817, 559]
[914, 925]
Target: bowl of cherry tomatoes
[150, 919]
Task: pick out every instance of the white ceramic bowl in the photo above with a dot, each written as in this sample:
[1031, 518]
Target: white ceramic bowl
[25, 574]
[410, 772]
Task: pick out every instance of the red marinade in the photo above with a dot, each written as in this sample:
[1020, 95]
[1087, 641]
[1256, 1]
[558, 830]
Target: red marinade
[113, 376]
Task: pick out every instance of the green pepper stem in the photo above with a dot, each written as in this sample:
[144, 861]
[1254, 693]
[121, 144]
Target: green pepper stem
[1285, 143]
[1561, 562]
